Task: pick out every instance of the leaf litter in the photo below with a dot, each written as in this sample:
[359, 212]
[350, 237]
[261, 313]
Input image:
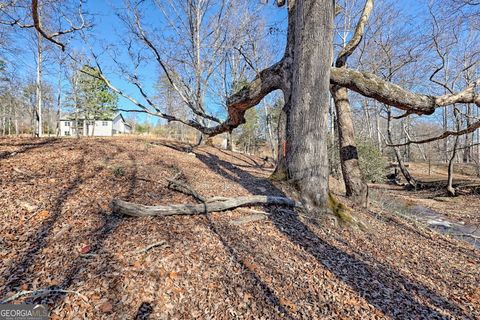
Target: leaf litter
[205, 267]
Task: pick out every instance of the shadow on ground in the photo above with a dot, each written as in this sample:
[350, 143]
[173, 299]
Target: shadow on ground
[375, 282]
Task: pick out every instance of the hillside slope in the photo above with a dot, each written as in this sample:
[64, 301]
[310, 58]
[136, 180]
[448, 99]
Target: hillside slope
[58, 233]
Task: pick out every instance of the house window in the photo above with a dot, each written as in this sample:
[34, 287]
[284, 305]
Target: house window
[67, 133]
[67, 123]
[104, 123]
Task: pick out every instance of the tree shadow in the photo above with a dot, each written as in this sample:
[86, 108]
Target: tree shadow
[144, 311]
[17, 274]
[27, 146]
[110, 222]
[177, 146]
[388, 291]
[269, 293]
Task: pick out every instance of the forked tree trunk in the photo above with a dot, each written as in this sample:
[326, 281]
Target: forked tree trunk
[307, 97]
[406, 174]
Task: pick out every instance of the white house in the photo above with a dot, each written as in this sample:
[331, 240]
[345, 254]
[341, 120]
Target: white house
[95, 128]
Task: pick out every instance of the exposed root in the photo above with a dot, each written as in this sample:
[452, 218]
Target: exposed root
[341, 211]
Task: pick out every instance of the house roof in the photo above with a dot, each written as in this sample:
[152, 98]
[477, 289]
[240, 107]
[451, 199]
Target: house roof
[71, 117]
[123, 119]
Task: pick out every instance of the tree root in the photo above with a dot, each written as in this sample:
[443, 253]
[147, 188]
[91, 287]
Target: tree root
[340, 210]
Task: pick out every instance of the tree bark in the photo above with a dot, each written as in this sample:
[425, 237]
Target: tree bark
[212, 205]
[39, 84]
[450, 189]
[355, 187]
[229, 145]
[280, 172]
[311, 25]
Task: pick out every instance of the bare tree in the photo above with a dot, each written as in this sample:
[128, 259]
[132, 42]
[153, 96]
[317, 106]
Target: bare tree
[352, 175]
[304, 75]
[29, 14]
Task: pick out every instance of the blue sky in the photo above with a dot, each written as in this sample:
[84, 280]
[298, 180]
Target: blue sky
[108, 26]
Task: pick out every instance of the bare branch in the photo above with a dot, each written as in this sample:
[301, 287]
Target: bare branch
[51, 37]
[372, 86]
[444, 135]
[357, 36]
[267, 80]
[403, 115]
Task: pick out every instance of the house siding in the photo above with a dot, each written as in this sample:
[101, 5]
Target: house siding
[102, 129]
[119, 126]
[97, 128]
[66, 130]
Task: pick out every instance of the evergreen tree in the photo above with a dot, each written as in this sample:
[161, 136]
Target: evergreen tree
[96, 100]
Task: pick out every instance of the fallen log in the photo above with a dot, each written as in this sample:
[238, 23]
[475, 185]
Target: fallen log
[210, 205]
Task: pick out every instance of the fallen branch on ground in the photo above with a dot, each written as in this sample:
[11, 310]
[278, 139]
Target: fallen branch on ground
[25, 173]
[184, 188]
[217, 205]
[41, 292]
[469, 235]
[151, 246]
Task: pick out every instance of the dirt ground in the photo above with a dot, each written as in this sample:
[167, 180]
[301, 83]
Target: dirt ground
[59, 234]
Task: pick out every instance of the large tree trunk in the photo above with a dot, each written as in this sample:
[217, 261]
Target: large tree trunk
[311, 25]
[352, 175]
[450, 189]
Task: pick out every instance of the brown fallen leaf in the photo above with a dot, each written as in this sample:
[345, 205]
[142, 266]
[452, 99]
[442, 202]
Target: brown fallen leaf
[94, 297]
[106, 307]
[42, 214]
[55, 317]
[288, 304]
[86, 249]
[212, 286]
[247, 297]
[250, 264]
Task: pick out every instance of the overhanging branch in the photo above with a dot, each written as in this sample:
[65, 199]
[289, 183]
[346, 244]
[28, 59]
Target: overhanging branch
[372, 86]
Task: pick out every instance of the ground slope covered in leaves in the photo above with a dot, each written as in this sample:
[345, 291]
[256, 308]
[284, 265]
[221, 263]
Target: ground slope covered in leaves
[58, 233]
